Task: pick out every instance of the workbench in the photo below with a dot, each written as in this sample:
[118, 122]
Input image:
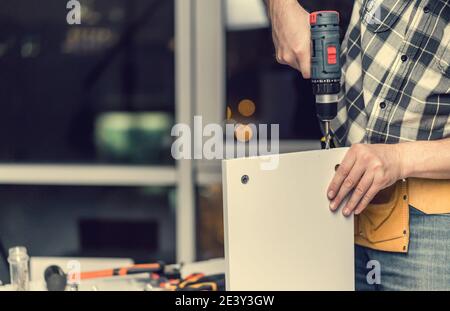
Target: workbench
[127, 283]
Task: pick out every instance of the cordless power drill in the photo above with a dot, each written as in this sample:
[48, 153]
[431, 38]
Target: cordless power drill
[326, 67]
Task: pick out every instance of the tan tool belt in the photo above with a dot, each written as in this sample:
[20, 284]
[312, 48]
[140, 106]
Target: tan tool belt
[384, 225]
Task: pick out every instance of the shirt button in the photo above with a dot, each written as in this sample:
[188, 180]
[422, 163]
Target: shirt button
[426, 10]
[404, 58]
[382, 105]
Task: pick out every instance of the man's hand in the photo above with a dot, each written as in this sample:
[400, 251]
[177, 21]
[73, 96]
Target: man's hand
[291, 34]
[366, 169]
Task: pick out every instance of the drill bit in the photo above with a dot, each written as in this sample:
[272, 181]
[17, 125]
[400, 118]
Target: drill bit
[327, 135]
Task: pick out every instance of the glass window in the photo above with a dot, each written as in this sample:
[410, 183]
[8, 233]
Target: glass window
[124, 222]
[101, 92]
[98, 92]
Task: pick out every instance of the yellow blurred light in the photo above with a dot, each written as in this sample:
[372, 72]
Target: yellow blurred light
[229, 113]
[246, 107]
[243, 132]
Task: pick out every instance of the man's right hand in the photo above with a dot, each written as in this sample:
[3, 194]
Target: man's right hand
[291, 34]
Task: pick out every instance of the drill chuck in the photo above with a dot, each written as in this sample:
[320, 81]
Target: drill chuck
[326, 106]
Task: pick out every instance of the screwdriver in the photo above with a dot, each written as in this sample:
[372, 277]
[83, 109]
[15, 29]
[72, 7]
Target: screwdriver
[325, 67]
[134, 269]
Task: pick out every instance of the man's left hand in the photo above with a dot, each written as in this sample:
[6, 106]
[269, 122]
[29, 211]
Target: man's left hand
[366, 169]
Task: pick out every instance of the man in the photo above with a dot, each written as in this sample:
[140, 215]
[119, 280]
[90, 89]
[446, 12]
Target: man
[394, 113]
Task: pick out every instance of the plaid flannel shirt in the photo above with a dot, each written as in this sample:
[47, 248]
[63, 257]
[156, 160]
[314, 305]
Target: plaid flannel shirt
[396, 73]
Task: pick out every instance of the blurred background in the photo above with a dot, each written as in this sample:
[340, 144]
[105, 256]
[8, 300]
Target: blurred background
[87, 111]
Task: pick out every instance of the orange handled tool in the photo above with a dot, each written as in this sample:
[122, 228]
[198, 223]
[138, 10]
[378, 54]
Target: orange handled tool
[135, 269]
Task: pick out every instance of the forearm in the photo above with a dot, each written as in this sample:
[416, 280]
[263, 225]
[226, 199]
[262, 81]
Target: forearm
[272, 5]
[426, 159]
